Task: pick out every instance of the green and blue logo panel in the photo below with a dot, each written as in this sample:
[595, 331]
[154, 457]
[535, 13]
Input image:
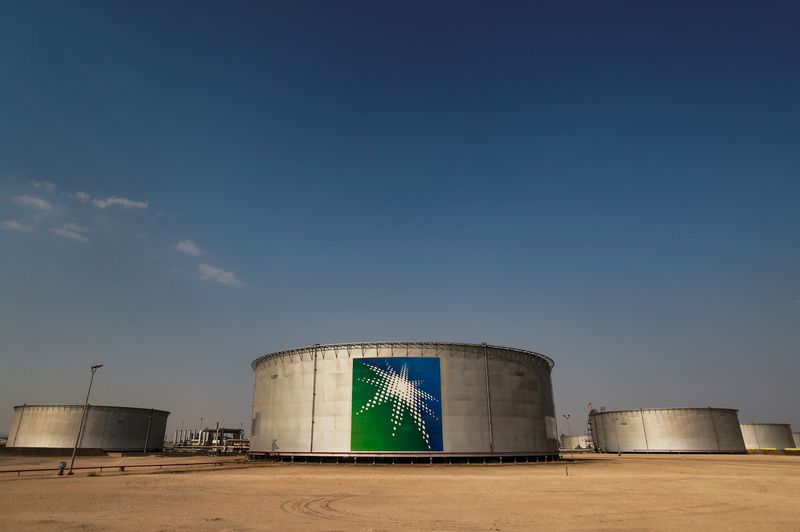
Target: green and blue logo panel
[397, 404]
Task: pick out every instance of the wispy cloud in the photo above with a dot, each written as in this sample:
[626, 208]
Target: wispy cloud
[34, 202]
[44, 185]
[125, 203]
[70, 231]
[111, 201]
[217, 275]
[16, 225]
[188, 247]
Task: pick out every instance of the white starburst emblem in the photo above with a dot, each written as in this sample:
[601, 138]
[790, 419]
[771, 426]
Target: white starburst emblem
[405, 396]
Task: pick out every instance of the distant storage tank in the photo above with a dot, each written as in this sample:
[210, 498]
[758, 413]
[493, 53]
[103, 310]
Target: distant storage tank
[403, 399]
[111, 428]
[668, 430]
[767, 435]
[576, 442]
[796, 436]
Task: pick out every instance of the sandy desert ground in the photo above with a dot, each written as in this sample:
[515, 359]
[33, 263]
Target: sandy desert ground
[601, 492]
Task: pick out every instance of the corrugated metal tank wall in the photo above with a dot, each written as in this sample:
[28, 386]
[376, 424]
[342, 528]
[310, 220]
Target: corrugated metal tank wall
[698, 430]
[767, 435]
[107, 427]
[522, 419]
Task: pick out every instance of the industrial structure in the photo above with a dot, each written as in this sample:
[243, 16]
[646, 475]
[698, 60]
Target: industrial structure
[404, 400]
[111, 428]
[796, 436]
[667, 430]
[767, 436]
[576, 443]
[217, 440]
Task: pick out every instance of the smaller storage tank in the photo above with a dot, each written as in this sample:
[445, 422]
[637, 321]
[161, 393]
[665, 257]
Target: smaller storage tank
[796, 436]
[582, 441]
[667, 430]
[767, 436]
[111, 428]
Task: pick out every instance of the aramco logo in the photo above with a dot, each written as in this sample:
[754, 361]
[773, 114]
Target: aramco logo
[397, 404]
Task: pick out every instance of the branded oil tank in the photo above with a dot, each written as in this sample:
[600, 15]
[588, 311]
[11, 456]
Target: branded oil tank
[403, 399]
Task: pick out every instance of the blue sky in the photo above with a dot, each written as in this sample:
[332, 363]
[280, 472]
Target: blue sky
[184, 186]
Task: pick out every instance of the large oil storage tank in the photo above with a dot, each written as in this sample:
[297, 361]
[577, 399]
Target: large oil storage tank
[403, 399]
[111, 428]
[767, 435]
[668, 430]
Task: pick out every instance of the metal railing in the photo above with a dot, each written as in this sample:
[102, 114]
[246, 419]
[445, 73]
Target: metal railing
[121, 467]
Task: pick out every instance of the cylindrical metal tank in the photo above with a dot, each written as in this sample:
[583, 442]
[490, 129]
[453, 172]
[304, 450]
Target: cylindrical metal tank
[384, 399]
[111, 428]
[767, 435]
[576, 442]
[667, 430]
[796, 436]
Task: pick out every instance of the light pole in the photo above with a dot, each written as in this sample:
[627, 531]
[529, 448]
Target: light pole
[569, 433]
[83, 418]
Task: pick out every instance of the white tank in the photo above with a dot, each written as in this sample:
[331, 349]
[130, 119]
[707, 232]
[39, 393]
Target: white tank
[404, 399]
[767, 436]
[111, 428]
[582, 441]
[668, 430]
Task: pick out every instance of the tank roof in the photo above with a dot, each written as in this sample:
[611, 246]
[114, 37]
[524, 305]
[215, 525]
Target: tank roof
[373, 345]
[92, 406]
[664, 408]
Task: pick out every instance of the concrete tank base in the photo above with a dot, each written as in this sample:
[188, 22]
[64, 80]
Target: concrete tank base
[669, 452]
[406, 458]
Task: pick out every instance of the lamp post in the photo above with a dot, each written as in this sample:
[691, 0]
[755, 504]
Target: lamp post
[83, 419]
[569, 433]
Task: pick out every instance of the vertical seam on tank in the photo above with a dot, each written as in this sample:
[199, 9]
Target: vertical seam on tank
[19, 424]
[644, 431]
[488, 398]
[313, 399]
[714, 428]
